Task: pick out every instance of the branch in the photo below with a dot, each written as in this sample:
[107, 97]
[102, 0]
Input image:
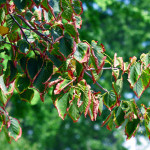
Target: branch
[22, 32]
[106, 68]
[9, 43]
[34, 30]
[96, 82]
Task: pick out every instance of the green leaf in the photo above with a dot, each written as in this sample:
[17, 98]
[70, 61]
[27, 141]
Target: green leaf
[27, 95]
[77, 7]
[33, 66]
[81, 51]
[110, 100]
[20, 4]
[119, 116]
[66, 45]
[67, 10]
[14, 131]
[10, 73]
[78, 22]
[134, 73]
[37, 2]
[45, 73]
[22, 83]
[55, 4]
[100, 105]
[54, 59]
[2, 2]
[23, 46]
[61, 104]
[28, 15]
[72, 31]
[117, 86]
[74, 111]
[61, 85]
[3, 97]
[96, 57]
[2, 15]
[56, 32]
[131, 127]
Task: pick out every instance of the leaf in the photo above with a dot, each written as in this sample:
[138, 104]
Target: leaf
[2, 15]
[37, 2]
[96, 57]
[119, 116]
[3, 30]
[74, 111]
[10, 73]
[100, 105]
[66, 46]
[134, 73]
[13, 36]
[117, 86]
[3, 97]
[61, 85]
[23, 46]
[67, 10]
[55, 4]
[61, 104]
[43, 76]
[77, 7]
[81, 53]
[131, 127]
[14, 131]
[110, 100]
[22, 83]
[27, 95]
[78, 22]
[72, 31]
[56, 32]
[20, 4]
[34, 66]
[28, 15]
[142, 83]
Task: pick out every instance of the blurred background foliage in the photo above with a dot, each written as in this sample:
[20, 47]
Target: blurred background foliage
[123, 27]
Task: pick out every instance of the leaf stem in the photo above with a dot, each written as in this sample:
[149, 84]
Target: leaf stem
[96, 82]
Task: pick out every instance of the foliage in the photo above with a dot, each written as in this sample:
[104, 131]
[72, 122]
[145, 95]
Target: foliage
[43, 50]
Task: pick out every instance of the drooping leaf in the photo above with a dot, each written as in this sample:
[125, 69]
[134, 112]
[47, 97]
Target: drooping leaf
[13, 36]
[67, 9]
[44, 74]
[14, 131]
[131, 127]
[110, 100]
[3, 97]
[23, 46]
[20, 4]
[71, 30]
[77, 7]
[37, 2]
[61, 104]
[33, 66]
[2, 15]
[134, 73]
[66, 45]
[10, 73]
[56, 32]
[22, 83]
[119, 116]
[27, 95]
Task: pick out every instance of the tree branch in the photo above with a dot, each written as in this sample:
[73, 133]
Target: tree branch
[9, 43]
[37, 32]
[105, 68]
[96, 82]
[22, 32]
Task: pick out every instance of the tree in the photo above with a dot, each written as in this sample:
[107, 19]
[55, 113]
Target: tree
[42, 51]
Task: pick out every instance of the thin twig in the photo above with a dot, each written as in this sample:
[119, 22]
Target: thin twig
[22, 32]
[96, 82]
[9, 43]
[106, 68]
[37, 32]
